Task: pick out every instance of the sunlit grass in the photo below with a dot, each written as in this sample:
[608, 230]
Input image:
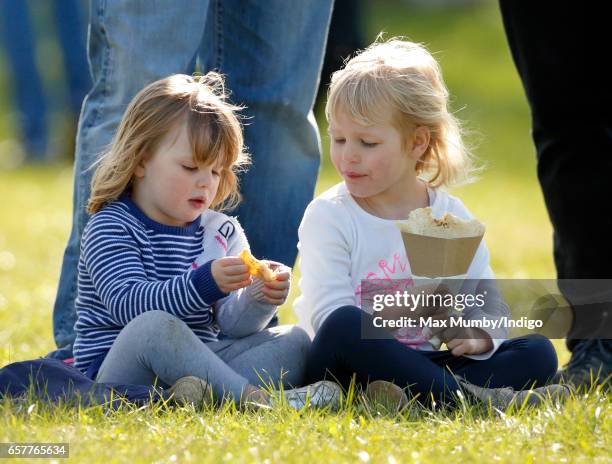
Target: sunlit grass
[35, 218]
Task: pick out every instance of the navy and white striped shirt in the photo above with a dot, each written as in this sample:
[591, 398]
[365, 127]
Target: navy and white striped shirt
[130, 264]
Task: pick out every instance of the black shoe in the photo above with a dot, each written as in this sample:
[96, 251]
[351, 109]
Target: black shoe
[590, 364]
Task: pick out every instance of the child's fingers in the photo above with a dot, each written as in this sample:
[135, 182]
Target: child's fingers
[237, 285]
[274, 301]
[460, 349]
[274, 293]
[450, 334]
[235, 269]
[453, 343]
[458, 346]
[230, 261]
[236, 278]
[282, 276]
[277, 285]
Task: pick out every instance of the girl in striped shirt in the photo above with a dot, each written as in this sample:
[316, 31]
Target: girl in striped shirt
[159, 275]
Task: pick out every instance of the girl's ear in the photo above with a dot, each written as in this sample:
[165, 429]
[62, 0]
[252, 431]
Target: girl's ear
[140, 167]
[418, 142]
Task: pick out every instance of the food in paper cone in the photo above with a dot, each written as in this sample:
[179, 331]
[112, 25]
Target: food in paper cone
[441, 247]
[256, 267]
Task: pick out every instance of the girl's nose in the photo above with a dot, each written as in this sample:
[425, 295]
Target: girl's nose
[204, 179]
[350, 155]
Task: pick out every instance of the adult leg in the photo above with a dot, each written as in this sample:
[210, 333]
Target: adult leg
[572, 132]
[340, 351]
[272, 53]
[273, 355]
[71, 33]
[157, 347]
[19, 42]
[131, 43]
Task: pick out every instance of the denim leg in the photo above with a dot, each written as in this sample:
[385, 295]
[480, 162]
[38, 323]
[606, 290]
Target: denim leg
[71, 33]
[270, 356]
[131, 43]
[19, 42]
[158, 345]
[271, 52]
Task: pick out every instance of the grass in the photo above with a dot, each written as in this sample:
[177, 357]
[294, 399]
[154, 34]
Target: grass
[34, 224]
[575, 432]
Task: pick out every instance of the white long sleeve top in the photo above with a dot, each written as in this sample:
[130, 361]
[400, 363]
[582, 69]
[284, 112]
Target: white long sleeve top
[341, 244]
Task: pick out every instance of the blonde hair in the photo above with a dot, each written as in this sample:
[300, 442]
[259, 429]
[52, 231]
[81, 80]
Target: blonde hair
[214, 131]
[404, 77]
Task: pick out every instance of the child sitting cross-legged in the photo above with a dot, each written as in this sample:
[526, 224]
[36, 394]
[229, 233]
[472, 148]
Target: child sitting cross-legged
[159, 274]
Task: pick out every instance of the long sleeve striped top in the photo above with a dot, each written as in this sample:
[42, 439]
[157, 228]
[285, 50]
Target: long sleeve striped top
[130, 264]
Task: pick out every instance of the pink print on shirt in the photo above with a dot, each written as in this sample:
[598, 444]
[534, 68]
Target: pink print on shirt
[221, 241]
[391, 280]
[389, 277]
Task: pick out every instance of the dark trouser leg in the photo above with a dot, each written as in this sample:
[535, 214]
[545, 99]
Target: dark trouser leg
[519, 363]
[339, 351]
[567, 82]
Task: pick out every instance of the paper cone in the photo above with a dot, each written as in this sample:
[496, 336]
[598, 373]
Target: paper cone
[439, 257]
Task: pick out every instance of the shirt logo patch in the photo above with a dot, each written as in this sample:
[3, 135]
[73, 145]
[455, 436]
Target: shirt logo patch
[227, 229]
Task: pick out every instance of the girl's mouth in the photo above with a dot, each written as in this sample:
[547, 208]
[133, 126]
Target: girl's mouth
[353, 175]
[196, 202]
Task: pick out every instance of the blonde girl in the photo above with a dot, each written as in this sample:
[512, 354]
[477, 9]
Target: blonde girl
[396, 146]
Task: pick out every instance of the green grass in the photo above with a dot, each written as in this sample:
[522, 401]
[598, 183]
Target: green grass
[576, 432]
[34, 224]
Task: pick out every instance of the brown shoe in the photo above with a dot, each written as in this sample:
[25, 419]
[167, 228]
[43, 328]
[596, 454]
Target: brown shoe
[190, 390]
[387, 394]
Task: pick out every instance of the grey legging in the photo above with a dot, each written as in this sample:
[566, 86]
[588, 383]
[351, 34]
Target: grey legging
[159, 345]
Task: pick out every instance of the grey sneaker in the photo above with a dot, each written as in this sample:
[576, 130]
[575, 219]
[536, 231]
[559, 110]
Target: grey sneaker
[502, 398]
[319, 395]
[190, 390]
[386, 394]
[591, 363]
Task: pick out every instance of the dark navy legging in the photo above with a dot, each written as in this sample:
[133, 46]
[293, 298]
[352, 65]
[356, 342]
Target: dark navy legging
[339, 352]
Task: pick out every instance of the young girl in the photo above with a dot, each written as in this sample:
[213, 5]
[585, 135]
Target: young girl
[395, 144]
[159, 275]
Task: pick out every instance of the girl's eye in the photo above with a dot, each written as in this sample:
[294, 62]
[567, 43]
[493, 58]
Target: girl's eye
[368, 144]
[190, 168]
[339, 141]
[216, 172]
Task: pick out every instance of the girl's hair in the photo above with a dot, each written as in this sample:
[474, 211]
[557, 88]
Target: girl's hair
[213, 128]
[405, 78]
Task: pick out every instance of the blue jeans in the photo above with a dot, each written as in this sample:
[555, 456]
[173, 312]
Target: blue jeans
[339, 349]
[19, 41]
[271, 52]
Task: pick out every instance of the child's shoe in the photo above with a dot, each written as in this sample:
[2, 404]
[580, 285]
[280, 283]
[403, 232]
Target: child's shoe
[190, 390]
[319, 395]
[502, 398]
[387, 394]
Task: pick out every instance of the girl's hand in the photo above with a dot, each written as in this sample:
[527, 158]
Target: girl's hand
[230, 273]
[461, 340]
[276, 291]
[479, 342]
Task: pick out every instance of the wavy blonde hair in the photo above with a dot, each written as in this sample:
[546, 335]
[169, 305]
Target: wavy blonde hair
[404, 77]
[214, 130]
